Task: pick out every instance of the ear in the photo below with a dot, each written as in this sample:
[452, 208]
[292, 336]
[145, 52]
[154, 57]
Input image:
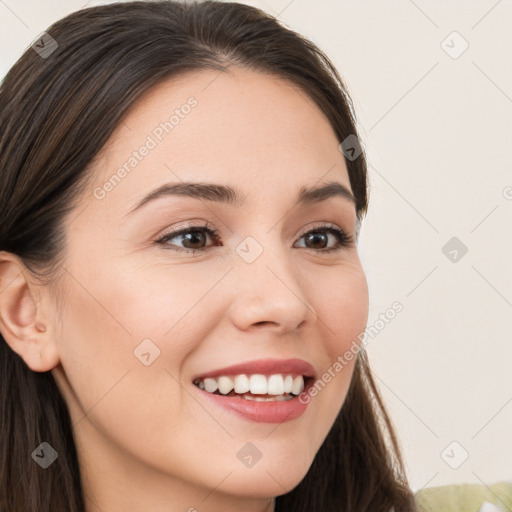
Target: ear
[25, 319]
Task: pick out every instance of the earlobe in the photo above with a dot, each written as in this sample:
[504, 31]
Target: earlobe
[21, 319]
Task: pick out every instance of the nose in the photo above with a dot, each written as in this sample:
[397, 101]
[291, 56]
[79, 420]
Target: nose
[269, 293]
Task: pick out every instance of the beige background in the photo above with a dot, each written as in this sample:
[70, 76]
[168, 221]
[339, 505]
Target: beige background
[438, 132]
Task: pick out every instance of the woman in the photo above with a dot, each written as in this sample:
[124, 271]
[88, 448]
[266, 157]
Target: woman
[181, 194]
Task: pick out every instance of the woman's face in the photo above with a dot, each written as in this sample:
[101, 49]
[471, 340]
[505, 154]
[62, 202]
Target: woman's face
[141, 320]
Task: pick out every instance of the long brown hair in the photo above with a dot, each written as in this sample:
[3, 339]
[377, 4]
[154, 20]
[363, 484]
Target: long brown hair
[57, 110]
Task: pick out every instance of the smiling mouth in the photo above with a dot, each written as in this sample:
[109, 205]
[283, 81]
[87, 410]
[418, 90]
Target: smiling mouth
[257, 387]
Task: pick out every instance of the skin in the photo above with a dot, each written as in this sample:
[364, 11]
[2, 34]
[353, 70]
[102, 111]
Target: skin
[146, 439]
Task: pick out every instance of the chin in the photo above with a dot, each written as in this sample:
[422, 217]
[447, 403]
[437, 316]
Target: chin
[274, 477]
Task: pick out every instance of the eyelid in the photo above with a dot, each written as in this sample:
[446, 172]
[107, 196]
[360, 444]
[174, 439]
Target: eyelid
[320, 225]
[191, 226]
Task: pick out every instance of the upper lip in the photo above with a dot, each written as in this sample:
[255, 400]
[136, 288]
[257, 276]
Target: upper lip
[263, 366]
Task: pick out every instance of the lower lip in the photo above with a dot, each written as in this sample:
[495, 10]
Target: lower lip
[263, 412]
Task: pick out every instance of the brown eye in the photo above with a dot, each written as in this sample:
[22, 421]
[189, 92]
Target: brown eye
[193, 238]
[318, 238]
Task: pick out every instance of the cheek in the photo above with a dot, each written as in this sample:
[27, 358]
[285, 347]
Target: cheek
[163, 301]
[342, 316]
[342, 308]
[123, 398]
[113, 316]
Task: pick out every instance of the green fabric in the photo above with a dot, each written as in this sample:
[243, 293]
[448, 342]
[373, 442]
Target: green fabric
[464, 497]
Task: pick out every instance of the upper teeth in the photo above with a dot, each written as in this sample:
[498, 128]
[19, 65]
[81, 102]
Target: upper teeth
[256, 384]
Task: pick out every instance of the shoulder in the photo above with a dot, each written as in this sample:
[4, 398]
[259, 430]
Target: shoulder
[496, 497]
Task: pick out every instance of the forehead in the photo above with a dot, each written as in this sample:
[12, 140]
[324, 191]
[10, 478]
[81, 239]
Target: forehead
[253, 130]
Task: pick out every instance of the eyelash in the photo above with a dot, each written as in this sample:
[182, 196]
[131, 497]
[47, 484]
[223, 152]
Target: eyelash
[344, 240]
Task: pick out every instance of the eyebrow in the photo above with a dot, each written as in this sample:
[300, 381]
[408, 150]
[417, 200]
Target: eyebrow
[231, 196]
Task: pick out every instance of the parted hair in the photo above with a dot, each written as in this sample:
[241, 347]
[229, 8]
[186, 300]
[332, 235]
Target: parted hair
[56, 113]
